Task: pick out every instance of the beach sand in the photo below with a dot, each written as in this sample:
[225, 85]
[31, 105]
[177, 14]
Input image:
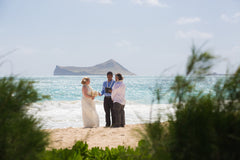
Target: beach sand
[95, 137]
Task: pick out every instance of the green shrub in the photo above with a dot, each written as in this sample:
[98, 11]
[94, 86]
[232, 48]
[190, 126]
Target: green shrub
[204, 126]
[154, 143]
[20, 135]
[192, 133]
[80, 151]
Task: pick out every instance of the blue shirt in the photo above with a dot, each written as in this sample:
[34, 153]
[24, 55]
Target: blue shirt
[107, 84]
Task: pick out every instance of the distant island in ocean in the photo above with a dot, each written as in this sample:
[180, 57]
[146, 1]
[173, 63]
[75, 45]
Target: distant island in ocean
[99, 69]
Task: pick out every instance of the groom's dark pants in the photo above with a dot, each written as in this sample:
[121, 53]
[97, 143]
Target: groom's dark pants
[118, 115]
[108, 105]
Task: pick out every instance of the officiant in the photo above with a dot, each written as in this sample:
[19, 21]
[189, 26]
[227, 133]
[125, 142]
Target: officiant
[108, 103]
[118, 97]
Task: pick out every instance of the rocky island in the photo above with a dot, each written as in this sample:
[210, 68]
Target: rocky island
[100, 69]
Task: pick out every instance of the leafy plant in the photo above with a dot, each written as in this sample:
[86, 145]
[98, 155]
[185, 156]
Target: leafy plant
[80, 151]
[204, 126]
[21, 136]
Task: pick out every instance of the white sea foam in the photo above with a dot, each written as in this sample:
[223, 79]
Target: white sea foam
[63, 114]
[64, 109]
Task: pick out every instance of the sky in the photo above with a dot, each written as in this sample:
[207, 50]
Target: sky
[147, 37]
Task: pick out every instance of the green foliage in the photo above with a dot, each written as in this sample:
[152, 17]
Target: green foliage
[205, 126]
[80, 151]
[157, 93]
[198, 65]
[20, 135]
[154, 143]
[228, 91]
[199, 62]
[192, 132]
[181, 88]
[81, 148]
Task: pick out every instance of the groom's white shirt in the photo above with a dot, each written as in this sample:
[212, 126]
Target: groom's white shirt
[118, 93]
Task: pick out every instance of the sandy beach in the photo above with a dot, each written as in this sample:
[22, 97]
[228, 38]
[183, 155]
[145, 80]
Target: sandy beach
[95, 137]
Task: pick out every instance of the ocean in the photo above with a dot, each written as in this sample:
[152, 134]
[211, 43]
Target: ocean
[63, 110]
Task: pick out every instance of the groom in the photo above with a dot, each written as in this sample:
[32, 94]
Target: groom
[108, 103]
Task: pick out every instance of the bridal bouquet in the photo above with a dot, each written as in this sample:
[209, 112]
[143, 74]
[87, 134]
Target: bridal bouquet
[94, 93]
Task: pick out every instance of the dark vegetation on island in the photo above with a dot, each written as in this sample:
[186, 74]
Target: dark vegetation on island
[204, 126]
[99, 69]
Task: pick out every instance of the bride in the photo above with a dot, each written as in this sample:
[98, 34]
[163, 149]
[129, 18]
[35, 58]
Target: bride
[89, 113]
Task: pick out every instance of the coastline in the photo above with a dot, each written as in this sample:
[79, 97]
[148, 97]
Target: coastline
[95, 137]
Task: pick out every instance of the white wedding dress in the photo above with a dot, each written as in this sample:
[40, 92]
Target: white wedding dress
[89, 113]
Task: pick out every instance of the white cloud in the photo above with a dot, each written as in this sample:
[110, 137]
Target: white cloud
[150, 2]
[225, 18]
[236, 15]
[231, 19]
[184, 20]
[194, 34]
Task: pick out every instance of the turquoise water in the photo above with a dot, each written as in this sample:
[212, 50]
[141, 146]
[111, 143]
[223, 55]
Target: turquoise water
[64, 108]
[139, 88]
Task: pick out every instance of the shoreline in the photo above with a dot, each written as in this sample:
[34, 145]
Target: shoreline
[95, 137]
